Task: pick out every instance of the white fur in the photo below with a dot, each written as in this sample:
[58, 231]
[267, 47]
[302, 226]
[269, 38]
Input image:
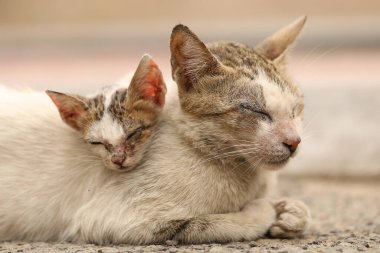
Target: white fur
[107, 128]
[280, 104]
[43, 167]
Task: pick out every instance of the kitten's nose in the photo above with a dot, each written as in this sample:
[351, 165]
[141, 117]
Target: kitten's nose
[292, 143]
[118, 159]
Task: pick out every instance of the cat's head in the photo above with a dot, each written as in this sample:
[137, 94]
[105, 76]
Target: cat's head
[118, 123]
[240, 96]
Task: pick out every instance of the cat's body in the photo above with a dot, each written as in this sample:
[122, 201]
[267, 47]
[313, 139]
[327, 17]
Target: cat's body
[196, 183]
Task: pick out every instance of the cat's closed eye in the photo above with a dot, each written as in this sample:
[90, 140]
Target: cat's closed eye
[262, 114]
[95, 143]
[135, 134]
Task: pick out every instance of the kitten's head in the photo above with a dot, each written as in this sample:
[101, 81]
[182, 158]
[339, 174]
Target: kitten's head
[240, 96]
[117, 124]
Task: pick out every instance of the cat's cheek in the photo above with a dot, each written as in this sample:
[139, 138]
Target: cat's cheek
[100, 151]
[264, 130]
[96, 149]
[134, 156]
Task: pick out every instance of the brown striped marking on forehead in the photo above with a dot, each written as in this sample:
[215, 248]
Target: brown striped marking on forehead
[96, 106]
[131, 115]
[117, 107]
[246, 62]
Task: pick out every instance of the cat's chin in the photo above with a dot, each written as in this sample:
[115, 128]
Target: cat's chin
[126, 168]
[120, 169]
[275, 165]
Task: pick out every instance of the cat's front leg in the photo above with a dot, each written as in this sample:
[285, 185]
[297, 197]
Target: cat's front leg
[249, 224]
[293, 219]
[99, 227]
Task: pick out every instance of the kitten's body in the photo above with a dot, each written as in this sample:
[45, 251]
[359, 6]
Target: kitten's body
[186, 189]
[53, 162]
[41, 161]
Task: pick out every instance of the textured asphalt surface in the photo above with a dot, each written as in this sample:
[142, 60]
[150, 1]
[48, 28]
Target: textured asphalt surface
[346, 218]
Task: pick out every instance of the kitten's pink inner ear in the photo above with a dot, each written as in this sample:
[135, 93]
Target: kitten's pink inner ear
[148, 82]
[155, 87]
[70, 109]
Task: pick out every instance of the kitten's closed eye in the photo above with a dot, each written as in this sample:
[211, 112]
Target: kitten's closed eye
[96, 143]
[136, 133]
[248, 107]
[105, 144]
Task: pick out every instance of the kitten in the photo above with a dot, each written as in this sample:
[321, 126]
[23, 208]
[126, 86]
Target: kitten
[117, 123]
[205, 176]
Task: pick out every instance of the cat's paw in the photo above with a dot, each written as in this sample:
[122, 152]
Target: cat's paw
[293, 218]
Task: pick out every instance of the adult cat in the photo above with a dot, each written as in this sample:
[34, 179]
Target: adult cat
[206, 173]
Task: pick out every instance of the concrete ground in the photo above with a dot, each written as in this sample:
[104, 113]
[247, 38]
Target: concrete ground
[346, 218]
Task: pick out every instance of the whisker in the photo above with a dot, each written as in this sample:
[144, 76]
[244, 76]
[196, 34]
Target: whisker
[319, 57]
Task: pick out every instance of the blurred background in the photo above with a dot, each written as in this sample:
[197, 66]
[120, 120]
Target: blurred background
[79, 46]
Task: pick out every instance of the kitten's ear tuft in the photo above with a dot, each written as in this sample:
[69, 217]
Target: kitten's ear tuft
[72, 109]
[190, 58]
[274, 47]
[147, 83]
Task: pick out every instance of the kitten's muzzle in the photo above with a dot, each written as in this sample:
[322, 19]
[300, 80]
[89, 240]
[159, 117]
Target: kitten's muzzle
[118, 156]
[118, 159]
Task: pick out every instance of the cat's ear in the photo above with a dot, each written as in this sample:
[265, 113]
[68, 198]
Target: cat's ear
[190, 58]
[275, 46]
[147, 84]
[71, 108]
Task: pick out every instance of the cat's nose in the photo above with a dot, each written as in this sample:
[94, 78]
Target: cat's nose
[292, 143]
[118, 159]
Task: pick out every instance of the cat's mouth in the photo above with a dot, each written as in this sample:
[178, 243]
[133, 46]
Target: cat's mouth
[120, 168]
[276, 165]
[281, 159]
[125, 168]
